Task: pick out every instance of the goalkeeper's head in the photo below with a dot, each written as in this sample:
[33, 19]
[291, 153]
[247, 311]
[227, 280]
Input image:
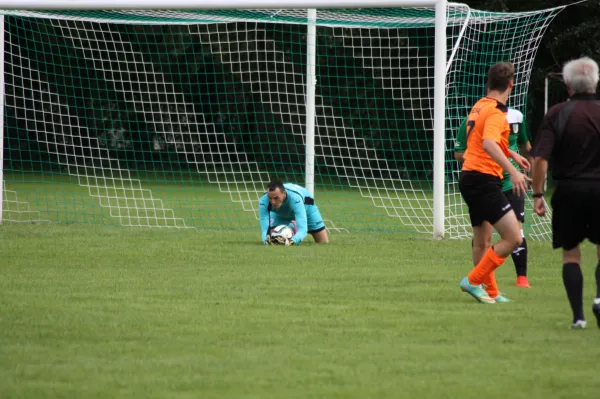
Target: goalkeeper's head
[276, 193]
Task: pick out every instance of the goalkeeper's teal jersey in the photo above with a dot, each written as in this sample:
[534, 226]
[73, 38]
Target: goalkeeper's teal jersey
[519, 134]
[293, 208]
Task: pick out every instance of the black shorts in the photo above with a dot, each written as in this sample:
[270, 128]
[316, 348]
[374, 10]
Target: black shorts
[484, 197]
[575, 213]
[517, 203]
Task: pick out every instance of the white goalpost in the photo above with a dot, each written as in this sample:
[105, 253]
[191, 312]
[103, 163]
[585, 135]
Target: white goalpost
[177, 114]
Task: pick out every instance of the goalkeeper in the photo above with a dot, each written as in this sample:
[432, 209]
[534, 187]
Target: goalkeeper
[292, 205]
[517, 140]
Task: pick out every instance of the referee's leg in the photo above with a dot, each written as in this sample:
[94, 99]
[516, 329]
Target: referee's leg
[573, 281]
[596, 306]
[569, 228]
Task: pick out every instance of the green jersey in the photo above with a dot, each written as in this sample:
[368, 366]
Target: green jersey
[519, 134]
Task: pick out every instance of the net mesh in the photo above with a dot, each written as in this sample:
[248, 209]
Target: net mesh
[180, 118]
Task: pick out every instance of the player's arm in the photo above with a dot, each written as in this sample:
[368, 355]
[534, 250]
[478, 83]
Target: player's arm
[540, 168]
[460, 143]
[524, 139]
[520, 160]
[263, 212]
[542, 151]
[525, 149]
[301, 220]
[538, 175]
[495, 152]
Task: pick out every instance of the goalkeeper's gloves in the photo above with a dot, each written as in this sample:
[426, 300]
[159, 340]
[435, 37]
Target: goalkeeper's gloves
[282, 241]
[267, 241]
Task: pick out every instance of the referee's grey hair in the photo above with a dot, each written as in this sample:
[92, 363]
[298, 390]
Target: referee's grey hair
[581, 75]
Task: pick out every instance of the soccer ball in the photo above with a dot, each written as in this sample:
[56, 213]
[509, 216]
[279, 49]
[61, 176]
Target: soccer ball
[281, 234]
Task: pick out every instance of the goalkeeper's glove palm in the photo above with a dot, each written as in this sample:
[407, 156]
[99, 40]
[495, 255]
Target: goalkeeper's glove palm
[282, 241]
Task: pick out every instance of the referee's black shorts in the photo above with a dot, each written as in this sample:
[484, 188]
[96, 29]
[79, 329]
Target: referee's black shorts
[484, 197]
[575, 213]
[517, 203]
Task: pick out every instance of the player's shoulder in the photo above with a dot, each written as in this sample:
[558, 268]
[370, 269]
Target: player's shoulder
[555, 109]
[291, 186]
[488, 106]
[295, 188]
[295, 192]
[553, 114]
[263, 200]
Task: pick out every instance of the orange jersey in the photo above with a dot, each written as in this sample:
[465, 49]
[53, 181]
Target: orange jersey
[487, 120]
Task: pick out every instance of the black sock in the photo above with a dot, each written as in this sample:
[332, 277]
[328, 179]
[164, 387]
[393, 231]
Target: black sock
[573, 280]
[519, 257]
[598, 280]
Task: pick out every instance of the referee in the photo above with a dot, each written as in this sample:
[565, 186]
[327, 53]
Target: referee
[570, 136]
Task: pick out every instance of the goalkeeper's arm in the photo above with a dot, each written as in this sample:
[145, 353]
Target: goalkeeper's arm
[263, 210]
[301, 222]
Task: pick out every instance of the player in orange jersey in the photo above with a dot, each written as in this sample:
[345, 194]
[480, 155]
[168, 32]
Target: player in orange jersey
[480, 184]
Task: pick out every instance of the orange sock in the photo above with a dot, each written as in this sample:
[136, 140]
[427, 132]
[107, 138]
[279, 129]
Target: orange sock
[492, 286]
[485, 267]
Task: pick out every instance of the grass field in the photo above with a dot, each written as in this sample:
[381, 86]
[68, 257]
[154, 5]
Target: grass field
[142, 200]
[110, 312]
[184, 200]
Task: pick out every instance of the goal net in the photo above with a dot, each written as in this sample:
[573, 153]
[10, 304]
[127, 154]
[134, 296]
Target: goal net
[180, 118]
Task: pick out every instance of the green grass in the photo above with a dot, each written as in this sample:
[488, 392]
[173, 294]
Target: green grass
[200, 204]
[108, 312]
[180, 200]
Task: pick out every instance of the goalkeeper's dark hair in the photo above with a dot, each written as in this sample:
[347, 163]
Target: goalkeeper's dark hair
[276, 184]
[500, 75]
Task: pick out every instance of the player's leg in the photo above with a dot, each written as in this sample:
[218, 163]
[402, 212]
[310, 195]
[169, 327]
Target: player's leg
[493, 207]
[473, 188]
[508, 228]
[320, 236]
[594, 237]
[573, 281]
[596, 306]
[510, 235]
[569, 228]
[519, 255]
[479, 243]
[482, 241]
[316, 226]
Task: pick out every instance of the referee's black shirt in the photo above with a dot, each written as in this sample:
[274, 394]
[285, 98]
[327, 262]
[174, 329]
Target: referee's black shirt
[575, 151]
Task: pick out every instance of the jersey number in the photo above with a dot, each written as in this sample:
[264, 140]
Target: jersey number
[471, 125]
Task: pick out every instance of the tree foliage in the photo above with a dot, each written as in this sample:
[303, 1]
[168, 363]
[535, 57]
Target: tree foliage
[574, 33]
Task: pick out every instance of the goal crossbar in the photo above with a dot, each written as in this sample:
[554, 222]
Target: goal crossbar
[207, 4]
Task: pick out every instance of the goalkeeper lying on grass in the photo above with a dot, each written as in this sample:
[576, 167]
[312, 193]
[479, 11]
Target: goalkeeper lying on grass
[292, 205]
